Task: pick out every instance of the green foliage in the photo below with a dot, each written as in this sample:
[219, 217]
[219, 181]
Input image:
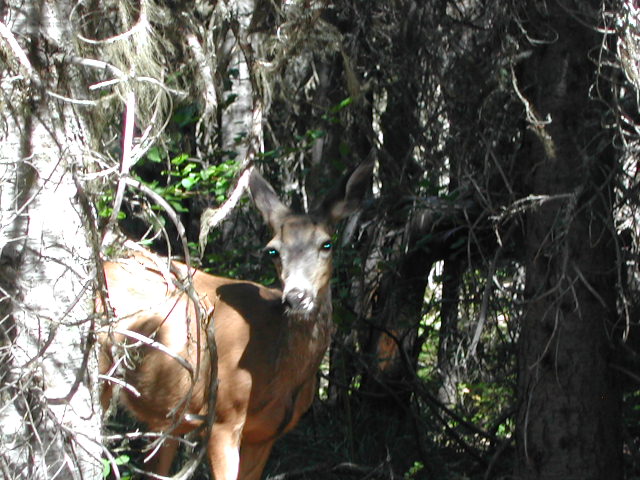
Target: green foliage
[414, 471]
[104, 205]
[186, 115]
[302, 143]
[236, 260]
[171, 172]
[187, 178]
[332, 115]
[122, 460]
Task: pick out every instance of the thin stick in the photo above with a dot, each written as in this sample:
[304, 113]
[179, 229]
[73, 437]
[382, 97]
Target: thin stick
[125, 165]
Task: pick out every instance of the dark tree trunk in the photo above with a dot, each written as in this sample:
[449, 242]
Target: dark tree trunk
[449, 337]
[568, 423]
[400, 294]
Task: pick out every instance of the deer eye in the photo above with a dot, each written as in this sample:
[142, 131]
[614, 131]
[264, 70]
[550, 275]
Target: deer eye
[326, 246]
[272, 253]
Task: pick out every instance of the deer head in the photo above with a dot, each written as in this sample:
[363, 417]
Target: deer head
[301, 247]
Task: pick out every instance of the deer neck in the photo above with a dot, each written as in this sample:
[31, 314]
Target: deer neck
[307, 335]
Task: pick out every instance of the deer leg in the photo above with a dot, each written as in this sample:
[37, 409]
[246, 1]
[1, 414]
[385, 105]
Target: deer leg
[106, 392]
[223, 450]
[161, 462]
[105, 361]
[253, 458]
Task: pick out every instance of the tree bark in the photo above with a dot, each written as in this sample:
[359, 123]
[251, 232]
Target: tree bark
[449, 336]
[235, 123]
[49, 423]
[568, 423]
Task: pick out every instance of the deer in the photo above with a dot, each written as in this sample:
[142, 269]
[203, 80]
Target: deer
[270, 341]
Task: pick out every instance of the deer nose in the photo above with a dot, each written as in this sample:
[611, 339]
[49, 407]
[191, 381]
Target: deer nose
[298, 299]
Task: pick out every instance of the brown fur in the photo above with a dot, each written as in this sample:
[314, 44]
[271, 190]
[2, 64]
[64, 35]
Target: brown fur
[261, 357]
[269, 343]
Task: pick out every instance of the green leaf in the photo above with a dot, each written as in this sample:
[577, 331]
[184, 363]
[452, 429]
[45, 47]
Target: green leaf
[119, 461]
[177, 206]
[343, 104]
[186, 115]
[188, 168]
[107, 211]
[315, 134]
[123, 460]
[206, 173]
[188, 182]
[153, 155]
[180, 159]
[229, 100]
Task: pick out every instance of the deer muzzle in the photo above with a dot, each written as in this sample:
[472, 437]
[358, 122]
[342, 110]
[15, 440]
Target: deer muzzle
[298, 300]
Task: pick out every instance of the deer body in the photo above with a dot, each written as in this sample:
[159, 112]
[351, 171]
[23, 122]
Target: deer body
[270, 342]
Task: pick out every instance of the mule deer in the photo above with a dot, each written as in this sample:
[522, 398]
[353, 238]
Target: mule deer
[270, 342]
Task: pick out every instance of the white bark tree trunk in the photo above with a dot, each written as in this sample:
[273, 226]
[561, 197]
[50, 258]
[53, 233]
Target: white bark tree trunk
[239, 50]
[49, 425]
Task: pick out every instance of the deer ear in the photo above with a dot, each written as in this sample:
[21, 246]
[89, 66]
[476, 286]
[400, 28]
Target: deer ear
[266, 200]
[347, 197]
